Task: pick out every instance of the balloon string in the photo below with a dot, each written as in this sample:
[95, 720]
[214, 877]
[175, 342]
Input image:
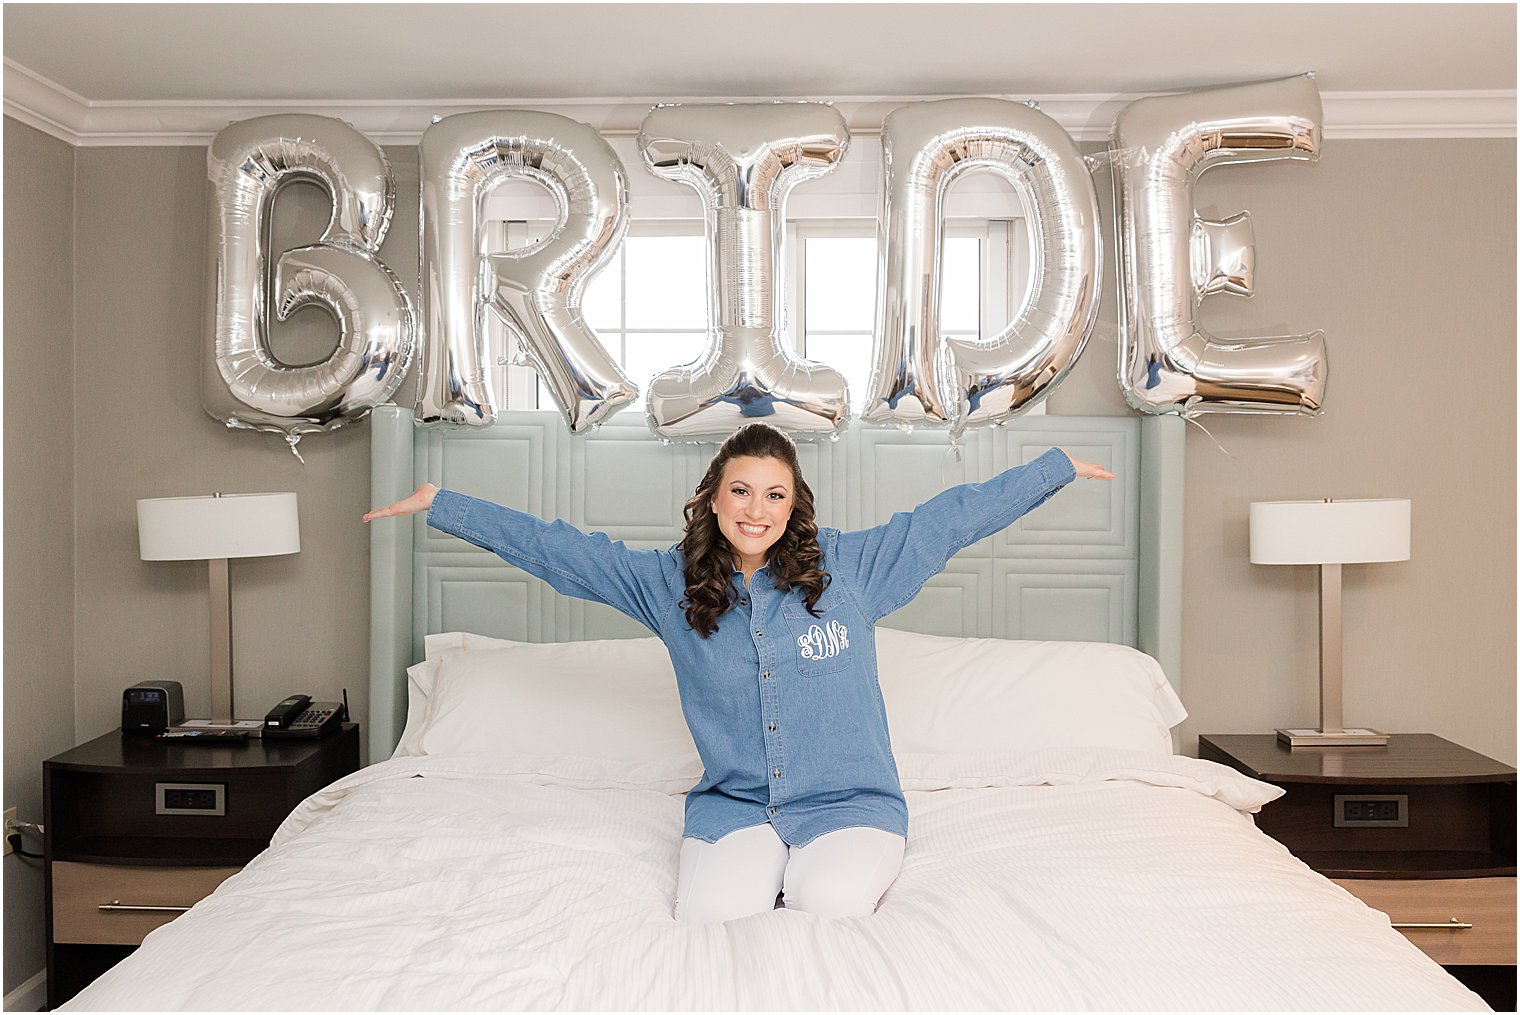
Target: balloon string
[1211, 437]
[952, 454]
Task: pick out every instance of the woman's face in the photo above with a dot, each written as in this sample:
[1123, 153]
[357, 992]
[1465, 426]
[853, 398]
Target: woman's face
[753, 503]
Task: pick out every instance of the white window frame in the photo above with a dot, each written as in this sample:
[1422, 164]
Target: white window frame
[520, 387]
[1005, 266]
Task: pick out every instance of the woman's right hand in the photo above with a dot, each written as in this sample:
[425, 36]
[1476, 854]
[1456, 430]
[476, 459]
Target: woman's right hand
[420, 500]
[1088, 470]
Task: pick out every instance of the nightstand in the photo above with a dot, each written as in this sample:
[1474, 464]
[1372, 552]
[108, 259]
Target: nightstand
[139, 830]
[1422, 829]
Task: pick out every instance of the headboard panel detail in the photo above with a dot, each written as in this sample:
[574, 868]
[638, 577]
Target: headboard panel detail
[1100, 562]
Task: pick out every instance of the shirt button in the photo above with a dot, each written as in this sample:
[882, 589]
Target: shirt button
[766, 674]
[773, 727]
[744, 602]
[759, 634]
[773, 810]
[777, 773]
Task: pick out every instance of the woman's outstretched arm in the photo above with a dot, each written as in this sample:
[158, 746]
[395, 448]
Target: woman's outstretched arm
[580, 564]
[888, 564]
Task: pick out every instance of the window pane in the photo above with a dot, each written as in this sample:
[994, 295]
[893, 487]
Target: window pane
[498, 236]
[841, 283]
[850, 355]
[667, 281]
[960, 285]
[649, 355]
[521, 198]
[602, 303]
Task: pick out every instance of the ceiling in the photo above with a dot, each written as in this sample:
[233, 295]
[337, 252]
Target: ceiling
[108, 53]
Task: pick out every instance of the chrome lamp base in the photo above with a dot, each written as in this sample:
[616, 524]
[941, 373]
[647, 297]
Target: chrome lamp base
[1331, 731]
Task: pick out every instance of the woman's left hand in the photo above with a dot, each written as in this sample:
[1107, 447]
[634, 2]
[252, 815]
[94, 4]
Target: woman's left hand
[1088, 470]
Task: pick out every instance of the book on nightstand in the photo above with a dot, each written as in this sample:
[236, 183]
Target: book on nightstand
[1359, 737]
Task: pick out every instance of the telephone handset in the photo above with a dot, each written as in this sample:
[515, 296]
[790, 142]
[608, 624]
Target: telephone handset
[299, 717]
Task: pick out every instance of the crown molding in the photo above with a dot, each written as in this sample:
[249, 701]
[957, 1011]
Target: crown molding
[55, 110]
[46, 105]
[1471, 114]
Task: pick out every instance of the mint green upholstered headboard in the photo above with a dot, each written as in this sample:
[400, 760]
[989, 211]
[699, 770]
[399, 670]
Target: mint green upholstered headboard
[1099, 562]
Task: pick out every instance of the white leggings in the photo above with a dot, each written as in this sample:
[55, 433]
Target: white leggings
[841, 873]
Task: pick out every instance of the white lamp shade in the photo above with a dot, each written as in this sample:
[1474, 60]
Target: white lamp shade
[1329, 532]
[209, 528]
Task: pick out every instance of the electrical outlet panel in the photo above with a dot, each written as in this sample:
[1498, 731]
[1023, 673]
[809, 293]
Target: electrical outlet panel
[209, 799]
[1370, 810]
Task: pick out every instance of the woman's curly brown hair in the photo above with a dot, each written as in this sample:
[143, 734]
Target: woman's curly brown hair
[794, 558]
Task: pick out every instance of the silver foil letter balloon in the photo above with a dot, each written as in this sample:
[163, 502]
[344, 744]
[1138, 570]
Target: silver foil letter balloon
[916, 379]
[536, 291]
[242, 383]
[743, 159]
[1170, 258]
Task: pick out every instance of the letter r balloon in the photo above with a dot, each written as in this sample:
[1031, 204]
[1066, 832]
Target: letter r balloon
[535, 291]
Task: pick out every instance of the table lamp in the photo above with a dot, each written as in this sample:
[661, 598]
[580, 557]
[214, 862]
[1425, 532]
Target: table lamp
[214, 529]
[1330, 533]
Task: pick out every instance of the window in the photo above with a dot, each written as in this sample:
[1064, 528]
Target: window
[833, 289]
[649, 304]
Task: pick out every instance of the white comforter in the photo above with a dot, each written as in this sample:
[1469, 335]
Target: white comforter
[1072, 879]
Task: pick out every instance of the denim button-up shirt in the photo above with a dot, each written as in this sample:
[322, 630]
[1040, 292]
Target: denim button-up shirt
[783, 705]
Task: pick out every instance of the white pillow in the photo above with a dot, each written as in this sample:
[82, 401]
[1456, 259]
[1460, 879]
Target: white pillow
[419, 684]
[420, 677]
[603, 699]
[943, 696]
[966, 695]
[436, 646]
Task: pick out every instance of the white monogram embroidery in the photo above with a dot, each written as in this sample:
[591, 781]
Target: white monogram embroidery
[824, 642]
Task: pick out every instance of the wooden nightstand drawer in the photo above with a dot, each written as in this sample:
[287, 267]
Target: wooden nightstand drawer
[1486, 903]
[80, 889]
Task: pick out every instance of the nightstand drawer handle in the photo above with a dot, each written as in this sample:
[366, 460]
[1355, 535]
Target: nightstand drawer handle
[1455, 924]
[115, 906]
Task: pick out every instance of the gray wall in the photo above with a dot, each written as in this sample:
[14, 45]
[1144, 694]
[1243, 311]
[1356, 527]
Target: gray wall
[40, 395]
[299, 622]
[1402, 251]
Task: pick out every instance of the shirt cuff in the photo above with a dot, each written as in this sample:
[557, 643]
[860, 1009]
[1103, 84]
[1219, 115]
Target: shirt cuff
[1057, 468]
[448, 511]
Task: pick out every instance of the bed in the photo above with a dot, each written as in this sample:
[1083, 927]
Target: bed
[513, 843]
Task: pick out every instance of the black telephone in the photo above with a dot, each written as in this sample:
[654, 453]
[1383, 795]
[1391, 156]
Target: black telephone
[298, 717]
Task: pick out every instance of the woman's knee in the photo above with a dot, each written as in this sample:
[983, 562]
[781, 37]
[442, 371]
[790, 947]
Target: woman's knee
[720, 906]
[737, 876]
[832, 898]
[843, 873]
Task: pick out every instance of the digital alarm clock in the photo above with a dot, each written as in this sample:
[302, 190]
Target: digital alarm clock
[152, 706]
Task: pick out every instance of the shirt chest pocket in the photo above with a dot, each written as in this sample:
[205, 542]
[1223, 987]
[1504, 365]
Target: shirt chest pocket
[822, 643]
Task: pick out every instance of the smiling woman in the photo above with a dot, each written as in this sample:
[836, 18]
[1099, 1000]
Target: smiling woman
[752, 503]
[752, 510]
[811, 808]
